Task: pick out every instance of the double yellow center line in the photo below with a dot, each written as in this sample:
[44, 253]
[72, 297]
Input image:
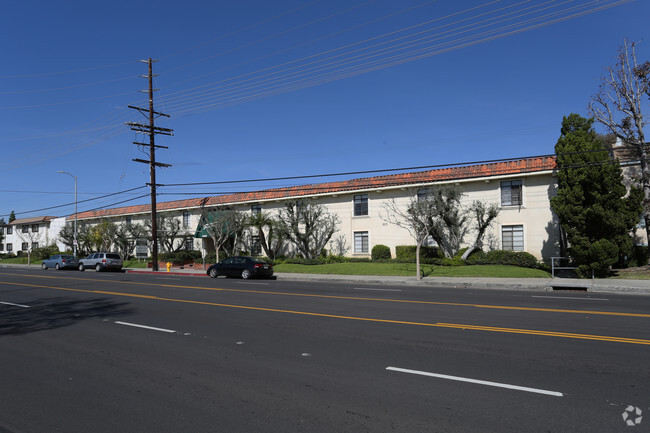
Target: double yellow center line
[368, 319]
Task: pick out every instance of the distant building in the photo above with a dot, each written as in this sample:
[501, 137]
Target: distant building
[23, 235]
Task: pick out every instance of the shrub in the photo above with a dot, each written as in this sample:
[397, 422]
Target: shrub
[406, 254]
[43, 253]
[380, 252]
[179, 257]
[503, 257]
[638, 257]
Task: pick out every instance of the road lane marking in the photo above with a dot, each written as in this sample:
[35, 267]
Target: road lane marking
[367, 319]
[571, 297]
[378, 290]
[477, 381]
[353, 298]
[152, 328]
[15, 305]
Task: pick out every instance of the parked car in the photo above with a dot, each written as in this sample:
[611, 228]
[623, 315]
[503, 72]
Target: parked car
[245, 267]
[101, 261]
[60, 261]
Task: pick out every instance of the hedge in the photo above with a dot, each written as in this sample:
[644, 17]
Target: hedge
[406, 253]
[503, 257]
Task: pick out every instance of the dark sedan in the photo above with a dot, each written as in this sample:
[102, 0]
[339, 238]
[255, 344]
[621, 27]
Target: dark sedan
[60, 261]
[245, 267]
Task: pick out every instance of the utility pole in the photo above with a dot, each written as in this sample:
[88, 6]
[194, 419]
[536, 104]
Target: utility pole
[151, 130]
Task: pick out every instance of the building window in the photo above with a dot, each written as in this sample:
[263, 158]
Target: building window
[34, 228]
[512, 238]
[361, 204]
[511, 193]
[10, 247]
[34, 245]
[128, 221]
[361, 242]
[10, 230]
[186, 219]
[25, 246]
[2, 247]
[25, 228]
[423, 193]
[2, 230]
[189, 244]
[256, 208]
[256, 246]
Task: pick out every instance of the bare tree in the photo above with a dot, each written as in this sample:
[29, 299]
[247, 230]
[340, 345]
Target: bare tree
[308, 226]
[221, 225]
[169, 231]
[414, 218]
[619, 105]
[485, 214]
[29, 238]
[339, 245]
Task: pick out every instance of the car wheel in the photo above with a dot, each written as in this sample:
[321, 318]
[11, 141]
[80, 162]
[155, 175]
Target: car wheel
[98, 267]
[245, 274]
[57, 267]
[81, 267]
[214, 273]
[43, 266]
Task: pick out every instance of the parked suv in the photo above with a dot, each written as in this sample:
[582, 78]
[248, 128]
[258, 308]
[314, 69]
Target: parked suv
[101, 261]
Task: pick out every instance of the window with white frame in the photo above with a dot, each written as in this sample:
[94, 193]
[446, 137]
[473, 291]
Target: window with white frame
[361, 242]
[25, 228]
[511, 193]
[10, 247]
[34, 245]
[128, 220]
[34, 228]
[189, 244]
[186, 219]
[361, 204]
[24, 246]
[256, 246]
[2, 247]
[512, 238]
[10, 230]
[256, 208]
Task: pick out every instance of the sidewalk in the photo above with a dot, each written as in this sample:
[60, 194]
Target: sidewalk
[637, 287]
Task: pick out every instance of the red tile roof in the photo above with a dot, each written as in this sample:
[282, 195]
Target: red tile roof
[527, 165]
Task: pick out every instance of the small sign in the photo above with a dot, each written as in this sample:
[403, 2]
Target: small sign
[141, 251]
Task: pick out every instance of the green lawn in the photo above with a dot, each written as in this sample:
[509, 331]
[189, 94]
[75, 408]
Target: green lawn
[408, 269]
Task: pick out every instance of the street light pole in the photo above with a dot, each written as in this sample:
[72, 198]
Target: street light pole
[74, 243]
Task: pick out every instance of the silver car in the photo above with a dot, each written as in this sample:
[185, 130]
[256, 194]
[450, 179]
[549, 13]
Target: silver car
[60, 261]
[101, 261]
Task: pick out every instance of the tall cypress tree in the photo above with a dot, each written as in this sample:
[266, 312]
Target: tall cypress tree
[595, 209]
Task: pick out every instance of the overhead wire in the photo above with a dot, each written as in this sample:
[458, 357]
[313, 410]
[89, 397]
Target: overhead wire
[401, 57]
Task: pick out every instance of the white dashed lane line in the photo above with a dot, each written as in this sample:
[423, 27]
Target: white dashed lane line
[15, 305]
[151, 328]
[476, 381]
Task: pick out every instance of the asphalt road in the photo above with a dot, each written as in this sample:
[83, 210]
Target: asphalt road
[114, 352]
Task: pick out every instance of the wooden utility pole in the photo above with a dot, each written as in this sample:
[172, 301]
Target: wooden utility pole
[151, 130]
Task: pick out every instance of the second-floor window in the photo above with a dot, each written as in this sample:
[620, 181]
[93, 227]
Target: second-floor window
[186, 219]
[361, 204]
[511, 193]
[10, 230]
[256, 208]
[34, 228]
[25, 228]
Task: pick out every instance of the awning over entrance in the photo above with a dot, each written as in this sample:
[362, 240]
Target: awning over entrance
[206, 219]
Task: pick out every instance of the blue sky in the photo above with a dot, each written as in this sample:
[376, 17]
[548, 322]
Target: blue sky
[259, 89]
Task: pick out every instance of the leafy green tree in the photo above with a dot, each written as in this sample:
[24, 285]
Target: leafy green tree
[12, 217]
[593, 205]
